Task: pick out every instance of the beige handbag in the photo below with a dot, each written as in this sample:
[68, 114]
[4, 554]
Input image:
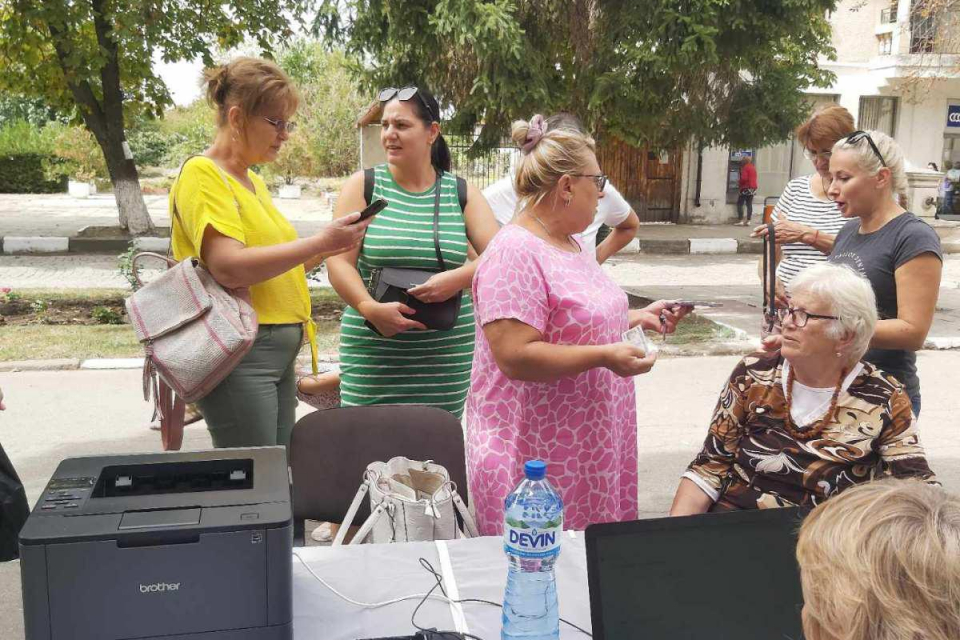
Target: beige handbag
[410, 501]
[194, 332]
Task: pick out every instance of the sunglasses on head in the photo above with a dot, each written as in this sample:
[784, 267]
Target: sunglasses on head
[857, 136]
[405, 94]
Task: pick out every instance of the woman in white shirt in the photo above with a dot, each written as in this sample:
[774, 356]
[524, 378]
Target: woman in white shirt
[612, 209]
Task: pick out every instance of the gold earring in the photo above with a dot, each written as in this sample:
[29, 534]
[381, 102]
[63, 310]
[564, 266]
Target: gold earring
[567, 201]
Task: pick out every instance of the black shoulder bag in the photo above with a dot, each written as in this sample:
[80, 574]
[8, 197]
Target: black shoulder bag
[390, 284]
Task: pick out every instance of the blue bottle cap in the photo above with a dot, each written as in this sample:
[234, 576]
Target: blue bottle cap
[535, 469]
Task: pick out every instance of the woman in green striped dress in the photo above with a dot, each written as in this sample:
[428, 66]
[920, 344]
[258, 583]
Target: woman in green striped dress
[409, 364]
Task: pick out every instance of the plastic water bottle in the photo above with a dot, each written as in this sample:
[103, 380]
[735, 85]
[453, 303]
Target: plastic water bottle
[531, 540]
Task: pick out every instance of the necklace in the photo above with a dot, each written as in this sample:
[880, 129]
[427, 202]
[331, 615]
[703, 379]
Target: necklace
[817, 427]
[550, 235]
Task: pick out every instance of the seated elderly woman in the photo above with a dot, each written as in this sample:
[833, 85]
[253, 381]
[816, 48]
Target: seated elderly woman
[882, 562]
[798, 426]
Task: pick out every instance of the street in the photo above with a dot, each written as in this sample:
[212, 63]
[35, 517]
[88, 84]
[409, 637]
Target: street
[57, 414]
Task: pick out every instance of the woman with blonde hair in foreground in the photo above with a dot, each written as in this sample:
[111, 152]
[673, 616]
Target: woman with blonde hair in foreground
[552, 377]
[882, 562]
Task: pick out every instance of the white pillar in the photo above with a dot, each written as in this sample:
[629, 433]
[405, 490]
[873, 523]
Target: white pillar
[922, 190]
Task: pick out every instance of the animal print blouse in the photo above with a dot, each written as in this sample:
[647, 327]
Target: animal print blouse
[750, 461]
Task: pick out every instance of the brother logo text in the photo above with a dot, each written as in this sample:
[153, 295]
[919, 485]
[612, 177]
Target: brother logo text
[159, 587]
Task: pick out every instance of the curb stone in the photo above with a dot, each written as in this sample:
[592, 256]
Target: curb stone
[35, 244]
[13, 245]
[59, 364]
[740, 345]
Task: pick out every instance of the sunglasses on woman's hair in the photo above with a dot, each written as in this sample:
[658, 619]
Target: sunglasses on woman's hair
[405, 94]
[857, 136]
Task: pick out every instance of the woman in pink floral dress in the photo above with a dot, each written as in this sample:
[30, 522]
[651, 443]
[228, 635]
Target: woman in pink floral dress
[552, 378]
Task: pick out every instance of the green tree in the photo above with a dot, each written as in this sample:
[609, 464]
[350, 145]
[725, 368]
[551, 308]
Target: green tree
[651, 72]
[96, 56]
[32, 110]
[325, 142]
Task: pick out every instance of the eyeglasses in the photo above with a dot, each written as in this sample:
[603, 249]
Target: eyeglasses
[813, 156]
[405, 94]
[800, 316]
[282, 125]
[857, 136]
[598, 179]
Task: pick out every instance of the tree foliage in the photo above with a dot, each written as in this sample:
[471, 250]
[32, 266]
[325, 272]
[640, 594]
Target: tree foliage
[95, 58]
[325, 142]
[651, 72]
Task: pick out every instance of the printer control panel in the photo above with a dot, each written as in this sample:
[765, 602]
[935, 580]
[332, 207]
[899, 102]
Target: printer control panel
[63, 494]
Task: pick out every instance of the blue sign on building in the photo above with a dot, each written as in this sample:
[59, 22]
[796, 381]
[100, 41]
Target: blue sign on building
[953, 116]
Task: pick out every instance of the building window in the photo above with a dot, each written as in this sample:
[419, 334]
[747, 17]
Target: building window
[878, 113]
[885, 43]
[889, 15]
[923, 26]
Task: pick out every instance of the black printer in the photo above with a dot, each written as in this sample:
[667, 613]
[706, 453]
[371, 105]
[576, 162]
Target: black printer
[186, 545]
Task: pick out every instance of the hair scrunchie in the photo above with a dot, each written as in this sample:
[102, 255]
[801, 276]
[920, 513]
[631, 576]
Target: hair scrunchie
[538, 127]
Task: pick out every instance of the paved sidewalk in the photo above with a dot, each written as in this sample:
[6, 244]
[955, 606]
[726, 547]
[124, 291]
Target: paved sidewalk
[60, 221]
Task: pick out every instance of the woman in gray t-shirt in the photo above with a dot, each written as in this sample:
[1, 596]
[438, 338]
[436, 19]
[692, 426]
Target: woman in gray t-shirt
[896, 251]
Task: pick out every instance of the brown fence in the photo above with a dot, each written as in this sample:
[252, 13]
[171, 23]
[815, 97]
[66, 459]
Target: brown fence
[650, 181]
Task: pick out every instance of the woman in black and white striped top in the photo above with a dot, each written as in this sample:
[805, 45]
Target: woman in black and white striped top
[806, 220]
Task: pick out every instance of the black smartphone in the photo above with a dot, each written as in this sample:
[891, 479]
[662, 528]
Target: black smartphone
[372, 209]
[697, 303]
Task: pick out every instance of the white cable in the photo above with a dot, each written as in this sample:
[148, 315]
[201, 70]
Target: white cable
[453, 592]
[367, 605]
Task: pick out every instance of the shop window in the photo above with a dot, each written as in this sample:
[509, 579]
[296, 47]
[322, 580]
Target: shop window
[878, 113]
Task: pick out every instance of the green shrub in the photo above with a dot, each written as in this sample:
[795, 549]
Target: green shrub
[149, 146]
[106, 315]
[21, 137]
[189, 130]
[30, 173]
[83, 157]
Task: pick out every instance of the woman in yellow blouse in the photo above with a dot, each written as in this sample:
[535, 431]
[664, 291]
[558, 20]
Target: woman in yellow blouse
[226, 217]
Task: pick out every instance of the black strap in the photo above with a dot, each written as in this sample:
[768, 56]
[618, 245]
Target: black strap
[436, 222]
[770, 268]
[462, 193]
[369, 175]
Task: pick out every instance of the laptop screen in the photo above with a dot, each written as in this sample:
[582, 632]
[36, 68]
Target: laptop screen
[717, 576]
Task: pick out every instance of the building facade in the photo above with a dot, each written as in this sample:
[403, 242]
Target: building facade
[897, 70]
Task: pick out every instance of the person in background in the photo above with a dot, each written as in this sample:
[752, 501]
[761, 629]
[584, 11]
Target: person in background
[805, 219]
[14, 508]
[228, 220]
[946, 189]
[405, 363]
[899, 253]
[797, 427]
[882, 562]
[552, 376]
[748, 188]
[612, 210]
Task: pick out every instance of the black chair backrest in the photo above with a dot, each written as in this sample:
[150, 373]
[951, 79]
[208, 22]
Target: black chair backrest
[329, 451]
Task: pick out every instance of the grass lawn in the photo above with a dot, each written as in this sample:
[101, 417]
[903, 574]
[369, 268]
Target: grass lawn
[35, 340]
[45, 342]
[696, 329]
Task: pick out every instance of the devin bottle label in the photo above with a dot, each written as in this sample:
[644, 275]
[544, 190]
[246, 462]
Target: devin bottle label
[525, 541]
